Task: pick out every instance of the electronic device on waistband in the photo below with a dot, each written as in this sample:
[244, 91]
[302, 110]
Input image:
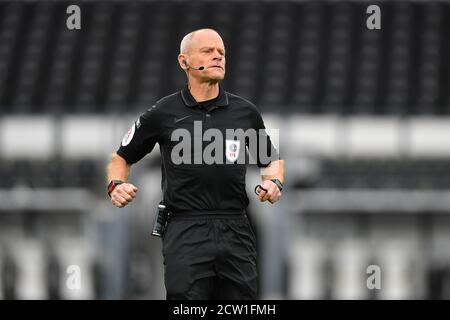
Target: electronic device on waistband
[161, 221]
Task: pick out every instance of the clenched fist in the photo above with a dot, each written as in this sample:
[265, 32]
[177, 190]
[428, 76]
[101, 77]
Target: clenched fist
[123, 194]
[273, 193]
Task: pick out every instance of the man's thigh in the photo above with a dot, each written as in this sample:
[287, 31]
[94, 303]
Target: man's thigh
[188, 252]
[236, 265]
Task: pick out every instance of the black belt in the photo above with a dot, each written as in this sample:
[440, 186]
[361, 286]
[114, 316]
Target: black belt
[232, 214]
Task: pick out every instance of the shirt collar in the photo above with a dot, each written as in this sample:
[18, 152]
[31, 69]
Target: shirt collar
[189, 100]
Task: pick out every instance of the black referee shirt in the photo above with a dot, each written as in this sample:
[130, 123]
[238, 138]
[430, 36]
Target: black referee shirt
[193, 186]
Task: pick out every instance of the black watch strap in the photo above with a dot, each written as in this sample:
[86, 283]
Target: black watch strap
[278, 183]
[112, 185]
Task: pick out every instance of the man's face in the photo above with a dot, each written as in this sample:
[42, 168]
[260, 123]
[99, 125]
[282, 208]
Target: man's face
[207, 50]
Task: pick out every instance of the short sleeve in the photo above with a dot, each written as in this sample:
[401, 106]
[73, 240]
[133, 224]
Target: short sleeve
[266, 151]
[141, 138]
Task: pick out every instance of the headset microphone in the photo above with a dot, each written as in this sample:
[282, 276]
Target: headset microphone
[199, 68]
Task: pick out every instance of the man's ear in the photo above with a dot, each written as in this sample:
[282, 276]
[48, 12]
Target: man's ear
[182, 61]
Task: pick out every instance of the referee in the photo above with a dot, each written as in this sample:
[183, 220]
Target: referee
[209, 247]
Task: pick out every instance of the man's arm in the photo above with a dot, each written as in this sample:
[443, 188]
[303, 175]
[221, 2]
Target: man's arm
[275, 170]
[119, 169]
[136, 143]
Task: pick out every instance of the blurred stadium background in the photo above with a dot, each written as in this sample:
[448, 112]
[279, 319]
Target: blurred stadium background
[364, 128]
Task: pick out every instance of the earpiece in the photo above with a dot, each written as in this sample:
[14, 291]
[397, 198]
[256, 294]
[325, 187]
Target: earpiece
[189, 67]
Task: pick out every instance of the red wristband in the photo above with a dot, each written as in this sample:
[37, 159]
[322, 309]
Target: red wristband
[112, 185]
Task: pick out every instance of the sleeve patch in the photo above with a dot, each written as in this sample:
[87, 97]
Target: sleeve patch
[129, 135]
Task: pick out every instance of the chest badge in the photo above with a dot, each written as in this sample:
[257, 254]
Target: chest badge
[232, 149]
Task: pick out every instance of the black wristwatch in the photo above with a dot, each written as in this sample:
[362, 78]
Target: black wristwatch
[112, 185]
[278, 183]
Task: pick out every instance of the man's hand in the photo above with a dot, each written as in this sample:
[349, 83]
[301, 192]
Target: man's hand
[123, 194]
[273, 194]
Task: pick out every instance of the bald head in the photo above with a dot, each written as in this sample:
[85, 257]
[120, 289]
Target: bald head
[202, 55]
[186, 43]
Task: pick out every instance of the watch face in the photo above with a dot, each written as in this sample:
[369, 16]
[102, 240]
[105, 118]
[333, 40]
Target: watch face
[114, 182]
[112, 185]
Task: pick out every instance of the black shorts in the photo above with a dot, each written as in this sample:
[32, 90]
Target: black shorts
[210, 256]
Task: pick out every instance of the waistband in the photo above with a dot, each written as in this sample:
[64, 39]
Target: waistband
[230, 214]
